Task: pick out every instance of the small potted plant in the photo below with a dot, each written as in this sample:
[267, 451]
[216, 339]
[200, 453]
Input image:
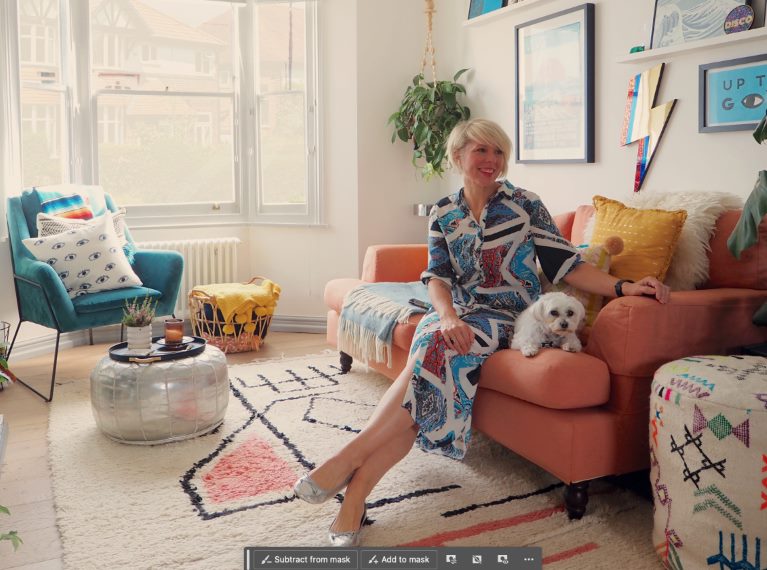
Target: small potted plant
[137, 318]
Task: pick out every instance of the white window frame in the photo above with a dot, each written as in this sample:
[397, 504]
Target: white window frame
[112, 127]
[311, 212]
[81, 121]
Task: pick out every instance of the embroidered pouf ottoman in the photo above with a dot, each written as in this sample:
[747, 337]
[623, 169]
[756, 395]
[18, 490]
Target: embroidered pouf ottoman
[708, 453]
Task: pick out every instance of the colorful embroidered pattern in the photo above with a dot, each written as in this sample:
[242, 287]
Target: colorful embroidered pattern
[735, 563]
[705, 462]
[718, 502]
[719, 426]
[764, 482]
[716, 403]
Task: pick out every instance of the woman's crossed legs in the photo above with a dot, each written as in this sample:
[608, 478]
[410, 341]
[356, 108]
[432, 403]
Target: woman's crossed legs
[385, 440]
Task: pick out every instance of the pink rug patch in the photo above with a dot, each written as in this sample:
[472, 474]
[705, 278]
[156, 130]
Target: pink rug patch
[250, 470]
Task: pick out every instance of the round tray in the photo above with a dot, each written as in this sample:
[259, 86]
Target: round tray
[157, 353]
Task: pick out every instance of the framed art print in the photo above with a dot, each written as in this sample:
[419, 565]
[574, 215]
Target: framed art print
[479, 7]
[731, 94]
[555, 87]
[681, 21]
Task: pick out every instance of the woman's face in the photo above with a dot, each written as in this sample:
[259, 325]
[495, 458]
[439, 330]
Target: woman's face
[481, 164]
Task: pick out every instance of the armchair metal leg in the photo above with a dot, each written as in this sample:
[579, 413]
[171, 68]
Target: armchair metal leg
[49, 397]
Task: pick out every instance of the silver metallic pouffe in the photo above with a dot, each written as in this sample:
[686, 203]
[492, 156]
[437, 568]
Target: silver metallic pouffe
[160, 402]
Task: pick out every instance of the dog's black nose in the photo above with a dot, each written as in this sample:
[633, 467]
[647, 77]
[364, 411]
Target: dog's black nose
[563, 324]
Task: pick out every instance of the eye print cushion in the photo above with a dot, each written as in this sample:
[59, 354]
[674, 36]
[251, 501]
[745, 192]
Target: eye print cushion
[87, 259]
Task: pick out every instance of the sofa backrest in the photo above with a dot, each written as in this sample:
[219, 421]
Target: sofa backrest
[749, 272]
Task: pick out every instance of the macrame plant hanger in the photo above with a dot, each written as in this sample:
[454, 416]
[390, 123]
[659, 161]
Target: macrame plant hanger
[428, 51]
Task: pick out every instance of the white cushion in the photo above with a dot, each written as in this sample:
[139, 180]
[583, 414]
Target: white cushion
[87, 259]
[48, 225]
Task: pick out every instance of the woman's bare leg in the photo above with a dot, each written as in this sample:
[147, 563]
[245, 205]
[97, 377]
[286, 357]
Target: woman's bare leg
[368, 475]
[388, 422]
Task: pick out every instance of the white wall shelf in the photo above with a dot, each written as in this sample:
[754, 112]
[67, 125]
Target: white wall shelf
[729, 39]
[505, 11]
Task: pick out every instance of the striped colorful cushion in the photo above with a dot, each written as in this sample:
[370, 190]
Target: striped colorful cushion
[71, 206]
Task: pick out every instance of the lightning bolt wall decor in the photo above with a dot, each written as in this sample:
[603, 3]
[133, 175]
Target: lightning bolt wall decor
[643, 121]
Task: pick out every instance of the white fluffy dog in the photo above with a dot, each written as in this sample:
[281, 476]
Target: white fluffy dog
[552, 319]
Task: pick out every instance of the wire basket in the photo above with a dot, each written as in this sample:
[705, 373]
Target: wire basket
[240, 335]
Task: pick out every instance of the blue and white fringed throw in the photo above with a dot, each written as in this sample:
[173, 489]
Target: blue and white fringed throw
[369, 314]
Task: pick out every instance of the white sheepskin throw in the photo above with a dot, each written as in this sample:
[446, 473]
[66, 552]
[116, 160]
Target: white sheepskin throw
[689, 265]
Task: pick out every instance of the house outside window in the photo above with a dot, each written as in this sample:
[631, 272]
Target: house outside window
[44, 116]
[175, 91]
[148, 53]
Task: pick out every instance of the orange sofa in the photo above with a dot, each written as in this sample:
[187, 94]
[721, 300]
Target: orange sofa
[583, 416]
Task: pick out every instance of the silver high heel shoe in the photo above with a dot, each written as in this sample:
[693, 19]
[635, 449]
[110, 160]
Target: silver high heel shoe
[347, 539]
[307, 490]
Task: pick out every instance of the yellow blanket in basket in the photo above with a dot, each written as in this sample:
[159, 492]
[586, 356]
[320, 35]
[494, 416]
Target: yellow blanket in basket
[238, 301]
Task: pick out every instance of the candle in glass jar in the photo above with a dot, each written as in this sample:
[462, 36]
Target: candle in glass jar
[174, 331]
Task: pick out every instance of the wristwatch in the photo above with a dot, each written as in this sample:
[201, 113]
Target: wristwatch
[619, 286]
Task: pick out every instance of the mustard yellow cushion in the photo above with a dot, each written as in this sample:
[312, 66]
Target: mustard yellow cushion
[649, 237]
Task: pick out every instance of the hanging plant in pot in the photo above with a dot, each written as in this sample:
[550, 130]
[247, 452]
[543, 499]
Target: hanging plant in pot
[137, 318]
[429, 111]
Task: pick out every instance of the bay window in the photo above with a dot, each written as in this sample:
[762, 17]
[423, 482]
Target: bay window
[192, 111]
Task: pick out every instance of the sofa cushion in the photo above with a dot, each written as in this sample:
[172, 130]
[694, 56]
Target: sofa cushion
[86, 259]
[112, 299]
[649, 237]
[553, 378]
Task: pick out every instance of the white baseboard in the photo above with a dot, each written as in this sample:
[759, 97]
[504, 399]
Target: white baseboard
[299, 324]
[45, 344]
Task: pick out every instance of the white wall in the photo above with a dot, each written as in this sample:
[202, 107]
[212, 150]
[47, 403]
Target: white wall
[685, 160]
[391, 39]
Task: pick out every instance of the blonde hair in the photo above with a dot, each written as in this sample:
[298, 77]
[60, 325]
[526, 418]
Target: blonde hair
[480, 131]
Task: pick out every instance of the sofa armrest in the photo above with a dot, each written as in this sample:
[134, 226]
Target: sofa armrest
[397, 263]
[565, 223]
[636, 335]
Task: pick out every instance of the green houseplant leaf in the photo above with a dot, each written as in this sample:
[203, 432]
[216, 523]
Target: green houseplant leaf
[426, 115]
[11, 536]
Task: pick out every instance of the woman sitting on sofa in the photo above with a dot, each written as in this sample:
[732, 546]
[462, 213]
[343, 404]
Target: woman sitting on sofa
[484, 242]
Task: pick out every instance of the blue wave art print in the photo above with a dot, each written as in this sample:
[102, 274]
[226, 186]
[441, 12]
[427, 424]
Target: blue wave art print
[681, 21]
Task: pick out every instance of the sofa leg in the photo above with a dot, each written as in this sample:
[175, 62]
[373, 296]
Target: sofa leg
[346, 362]
[576, 498]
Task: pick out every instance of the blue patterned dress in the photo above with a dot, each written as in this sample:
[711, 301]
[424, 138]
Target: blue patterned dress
[490, 265]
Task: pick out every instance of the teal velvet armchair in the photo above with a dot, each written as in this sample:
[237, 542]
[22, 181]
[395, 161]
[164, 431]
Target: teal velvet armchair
[42, 298]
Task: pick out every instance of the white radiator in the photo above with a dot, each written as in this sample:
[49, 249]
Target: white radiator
[205, 261]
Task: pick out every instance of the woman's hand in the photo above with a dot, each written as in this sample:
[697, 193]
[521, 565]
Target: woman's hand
[457, 334]
[648, 286]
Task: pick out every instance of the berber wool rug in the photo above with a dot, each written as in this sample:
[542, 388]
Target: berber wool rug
[197, 503]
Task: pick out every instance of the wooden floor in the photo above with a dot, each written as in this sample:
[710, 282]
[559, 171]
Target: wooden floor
[25, 483]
